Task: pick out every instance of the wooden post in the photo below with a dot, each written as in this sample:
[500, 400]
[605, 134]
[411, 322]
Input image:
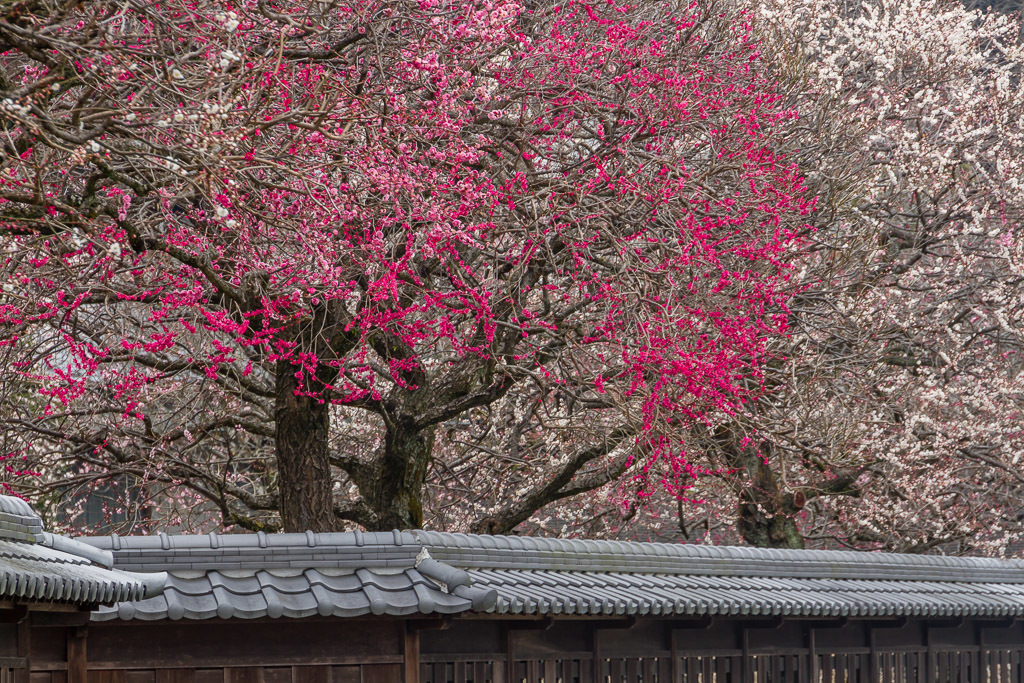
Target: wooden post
[411, 654]
[930, 668]
[24, 645]
[874, 669]
[510, 663]
[677, 674]
[812, 655]
[746, 668]
[77, 664]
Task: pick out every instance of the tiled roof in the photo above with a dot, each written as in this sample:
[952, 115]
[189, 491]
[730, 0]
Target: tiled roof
[36, 566]
[290, 575]
[347, 574]
[558, 576]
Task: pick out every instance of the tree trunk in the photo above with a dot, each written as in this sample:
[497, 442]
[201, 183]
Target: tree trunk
[767, 516]
[764, 530]
[398, 499]
[302, 426]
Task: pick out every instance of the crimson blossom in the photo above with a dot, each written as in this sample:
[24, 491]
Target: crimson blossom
[256, 254]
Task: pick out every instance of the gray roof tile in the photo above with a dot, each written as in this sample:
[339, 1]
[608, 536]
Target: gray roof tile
[39, 566]
[296, 575]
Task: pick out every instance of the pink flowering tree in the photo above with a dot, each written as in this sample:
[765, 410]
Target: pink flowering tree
[257, 256]
[892, 417]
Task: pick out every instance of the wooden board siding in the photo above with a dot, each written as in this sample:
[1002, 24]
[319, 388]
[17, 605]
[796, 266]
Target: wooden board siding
[373, 673]
[539, 651]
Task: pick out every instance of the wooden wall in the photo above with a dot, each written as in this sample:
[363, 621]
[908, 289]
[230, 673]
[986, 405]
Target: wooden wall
[538, 651]
[369, 673]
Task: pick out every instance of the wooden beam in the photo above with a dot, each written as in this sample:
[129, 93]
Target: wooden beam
[429, 624]
[769, 623]
[537, 625]
[77, 618]
[78, 669]
[411, 654]
[13, 614]
[895, 622]
[704, 622]
[841, 622]
[608, 624]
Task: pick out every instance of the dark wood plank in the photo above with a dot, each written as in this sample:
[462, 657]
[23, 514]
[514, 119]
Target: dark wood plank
[307, 674]
[40, 677]
[283, 674]
[382, 673]
[209, 675]
[344, 674]
[113, 676]
[175, 676]
[243, 674]
[143, 677]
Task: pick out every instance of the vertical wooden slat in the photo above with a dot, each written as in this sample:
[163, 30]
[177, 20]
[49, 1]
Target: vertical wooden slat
[828, 668]
[666, 669]
[615, 670]
[499, 672]
[549, 671]
[459, 672]
[632, 670]
[586, 670]
[647, 670]
[722, 670]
